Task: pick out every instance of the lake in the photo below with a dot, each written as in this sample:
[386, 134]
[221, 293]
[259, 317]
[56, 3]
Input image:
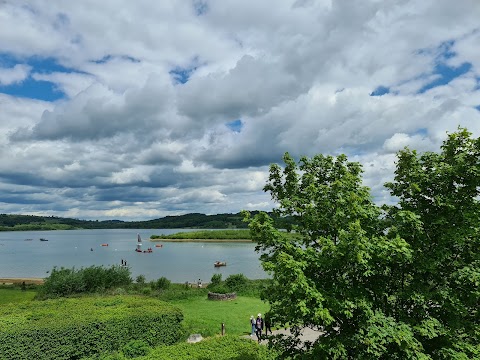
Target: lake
[178, 262]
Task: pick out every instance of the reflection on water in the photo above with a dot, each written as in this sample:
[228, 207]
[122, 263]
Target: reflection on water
[22, 254]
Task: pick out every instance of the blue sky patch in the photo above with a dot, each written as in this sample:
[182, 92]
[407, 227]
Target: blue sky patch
[30, 88]
[446, 74]
[47, 65]
[379, 91]
[235, 125]
[181, 75]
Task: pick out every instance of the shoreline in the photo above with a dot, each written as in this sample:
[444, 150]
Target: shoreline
[28, 281]
[201, 240]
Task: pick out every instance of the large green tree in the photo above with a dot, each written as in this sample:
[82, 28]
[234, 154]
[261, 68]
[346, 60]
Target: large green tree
[400, 282]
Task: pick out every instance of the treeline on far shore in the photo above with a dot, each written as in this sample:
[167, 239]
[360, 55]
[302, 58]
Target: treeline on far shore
[194, 220]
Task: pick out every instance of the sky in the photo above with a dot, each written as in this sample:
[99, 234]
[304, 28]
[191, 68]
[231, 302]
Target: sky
[135, 110]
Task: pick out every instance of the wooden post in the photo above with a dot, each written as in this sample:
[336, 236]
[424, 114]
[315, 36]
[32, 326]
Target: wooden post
[223, 329]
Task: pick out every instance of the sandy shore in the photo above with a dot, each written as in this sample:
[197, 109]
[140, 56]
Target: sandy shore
[201, 240]
[36, 281]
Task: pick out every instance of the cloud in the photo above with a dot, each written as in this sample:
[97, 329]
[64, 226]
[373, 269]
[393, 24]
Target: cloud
[180, 107]
[14, 75]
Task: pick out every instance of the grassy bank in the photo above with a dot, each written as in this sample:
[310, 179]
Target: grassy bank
[213, 235]
[10, 294]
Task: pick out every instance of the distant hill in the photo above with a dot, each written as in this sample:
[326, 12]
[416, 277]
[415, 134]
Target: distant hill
[193, 220]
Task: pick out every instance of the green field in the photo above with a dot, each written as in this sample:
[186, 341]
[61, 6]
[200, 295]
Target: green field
[203, 316]
[14, 295]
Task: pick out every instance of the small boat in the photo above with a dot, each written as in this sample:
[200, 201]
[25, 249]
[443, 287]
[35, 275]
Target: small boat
[28, 239]
[139, 246]
[43, 239]
[159, 245]
[219, 263]
[104, 244]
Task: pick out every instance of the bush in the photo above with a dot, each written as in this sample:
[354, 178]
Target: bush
[146, 291]
[75, 328]
[220, 289]
[215, 280]
[217, 348]
[236, 282]
[161, 284]
[65, 282]
[140, 279]
[135, 348]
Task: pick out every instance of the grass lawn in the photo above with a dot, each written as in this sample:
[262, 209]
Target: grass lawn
[15, 295]
[203, 316]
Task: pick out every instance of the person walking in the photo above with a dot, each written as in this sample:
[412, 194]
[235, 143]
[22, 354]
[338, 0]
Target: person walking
[252, 325]
[268, 324]
[259, 327]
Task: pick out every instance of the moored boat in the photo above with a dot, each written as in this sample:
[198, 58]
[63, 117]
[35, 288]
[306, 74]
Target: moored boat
[219, 263]
[43, 239]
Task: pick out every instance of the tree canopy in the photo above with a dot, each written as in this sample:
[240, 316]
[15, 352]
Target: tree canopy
[390, 282]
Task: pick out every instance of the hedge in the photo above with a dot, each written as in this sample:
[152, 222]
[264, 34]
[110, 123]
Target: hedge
[217, 348]
[75, 328]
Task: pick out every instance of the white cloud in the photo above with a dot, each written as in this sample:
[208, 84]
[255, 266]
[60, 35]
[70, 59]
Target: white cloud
[14, 75]
[128, 141]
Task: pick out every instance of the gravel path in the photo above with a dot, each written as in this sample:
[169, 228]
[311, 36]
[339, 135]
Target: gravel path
[307, 335]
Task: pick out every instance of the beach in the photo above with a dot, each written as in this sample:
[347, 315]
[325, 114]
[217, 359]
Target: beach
[8, 281]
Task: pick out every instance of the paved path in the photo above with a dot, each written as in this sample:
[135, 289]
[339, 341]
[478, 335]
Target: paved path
[307, 335]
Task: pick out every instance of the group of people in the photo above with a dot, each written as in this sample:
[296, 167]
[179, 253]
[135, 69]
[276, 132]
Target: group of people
[258, 324]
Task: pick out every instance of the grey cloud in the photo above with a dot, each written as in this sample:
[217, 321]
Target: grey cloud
[129, 143]
[251, 88]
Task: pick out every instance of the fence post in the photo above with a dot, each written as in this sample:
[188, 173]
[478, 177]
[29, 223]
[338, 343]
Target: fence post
[223, 329]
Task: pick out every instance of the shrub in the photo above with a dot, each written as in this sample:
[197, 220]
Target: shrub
[215, 280]
[146, 291]
[236, 282]
[161, 284]
[75, 328]
[220, 289]
[135, 348]
[140, 279]
[217, 348]
[65, 282]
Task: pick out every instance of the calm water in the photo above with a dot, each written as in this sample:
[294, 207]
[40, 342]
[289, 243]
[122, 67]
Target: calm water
[178, 262]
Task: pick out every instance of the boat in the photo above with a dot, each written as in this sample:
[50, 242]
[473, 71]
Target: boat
[139, 246]
[219, 263]
[159, 245]
[28, 239]
[104, 244]
[43, 239]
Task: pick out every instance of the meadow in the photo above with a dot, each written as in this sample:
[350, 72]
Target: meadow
[11, 294]
[200, 315]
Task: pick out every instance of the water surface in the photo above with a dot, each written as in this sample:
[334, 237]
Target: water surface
[179, 262]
